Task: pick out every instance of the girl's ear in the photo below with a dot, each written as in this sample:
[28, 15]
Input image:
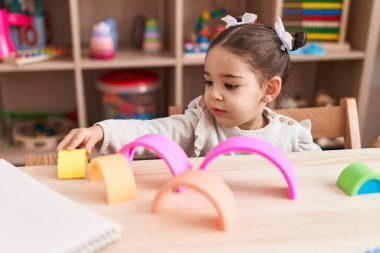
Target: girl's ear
[272, 89]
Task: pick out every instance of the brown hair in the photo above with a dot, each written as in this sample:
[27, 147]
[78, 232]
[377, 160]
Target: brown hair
[260, 45]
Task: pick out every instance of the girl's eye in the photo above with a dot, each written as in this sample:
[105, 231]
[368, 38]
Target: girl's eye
[208, 83]
[230, 86]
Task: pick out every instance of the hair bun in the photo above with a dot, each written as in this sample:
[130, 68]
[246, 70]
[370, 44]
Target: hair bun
[299, 40]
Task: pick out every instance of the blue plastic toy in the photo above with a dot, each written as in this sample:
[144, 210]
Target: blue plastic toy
[311, 48]
[377, 250]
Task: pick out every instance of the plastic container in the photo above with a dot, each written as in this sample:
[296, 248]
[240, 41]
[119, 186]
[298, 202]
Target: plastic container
[41, 135]
[129, 94]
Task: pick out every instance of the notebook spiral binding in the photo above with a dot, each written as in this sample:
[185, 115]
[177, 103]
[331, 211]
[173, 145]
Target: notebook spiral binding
[96, 243]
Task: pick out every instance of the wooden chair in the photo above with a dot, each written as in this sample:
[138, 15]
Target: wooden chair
[331, 122]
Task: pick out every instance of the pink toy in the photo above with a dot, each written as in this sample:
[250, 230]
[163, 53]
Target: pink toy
[211, 186]
[168, 150]
[263, 148]
[101, 42]
[7, 19]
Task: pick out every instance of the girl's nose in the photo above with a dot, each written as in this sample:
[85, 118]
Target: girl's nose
[216, 94]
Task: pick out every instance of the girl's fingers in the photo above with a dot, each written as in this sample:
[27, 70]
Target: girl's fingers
[66, 140]
[89, 146]
[76, 140]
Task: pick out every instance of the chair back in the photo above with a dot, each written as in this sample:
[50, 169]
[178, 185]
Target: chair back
[331, 122]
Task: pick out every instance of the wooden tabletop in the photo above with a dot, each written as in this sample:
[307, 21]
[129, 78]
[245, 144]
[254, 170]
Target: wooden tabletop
[321, 219]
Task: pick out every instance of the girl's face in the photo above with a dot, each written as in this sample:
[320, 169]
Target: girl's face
[232, 93]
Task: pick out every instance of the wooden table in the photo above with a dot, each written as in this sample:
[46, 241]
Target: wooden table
[321, 219]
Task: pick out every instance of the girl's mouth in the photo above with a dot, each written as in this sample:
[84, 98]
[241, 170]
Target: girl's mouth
[218, 111]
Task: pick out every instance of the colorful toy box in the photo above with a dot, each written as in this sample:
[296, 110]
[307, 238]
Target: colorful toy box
[130, 94]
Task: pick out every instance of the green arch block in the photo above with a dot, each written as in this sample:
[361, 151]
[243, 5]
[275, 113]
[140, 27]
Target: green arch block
[355, 175]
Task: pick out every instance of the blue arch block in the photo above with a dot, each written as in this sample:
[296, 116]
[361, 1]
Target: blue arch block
[371, 186]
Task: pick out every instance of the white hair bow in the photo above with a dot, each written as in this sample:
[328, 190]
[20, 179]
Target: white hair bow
[285, 37]
[247, 18]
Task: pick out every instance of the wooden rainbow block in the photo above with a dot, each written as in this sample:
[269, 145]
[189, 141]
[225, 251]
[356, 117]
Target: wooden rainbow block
[358, 179]
[72, 163]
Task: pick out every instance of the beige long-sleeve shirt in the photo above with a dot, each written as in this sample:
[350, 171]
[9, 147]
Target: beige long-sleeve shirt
[197, 131]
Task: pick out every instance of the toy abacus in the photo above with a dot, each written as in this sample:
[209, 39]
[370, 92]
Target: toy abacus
[29, 56]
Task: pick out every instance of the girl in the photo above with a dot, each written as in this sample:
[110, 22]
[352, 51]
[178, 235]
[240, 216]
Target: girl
[245, 68]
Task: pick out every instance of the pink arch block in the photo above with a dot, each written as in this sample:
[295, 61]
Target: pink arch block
[209, 185]
[165, 148]
[257, 146]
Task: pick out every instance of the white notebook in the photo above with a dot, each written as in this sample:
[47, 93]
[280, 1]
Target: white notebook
[35, 218]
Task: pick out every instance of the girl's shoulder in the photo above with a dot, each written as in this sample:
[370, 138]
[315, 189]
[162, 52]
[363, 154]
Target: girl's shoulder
[197, 103]
[286, 120]
[301, 129]
[288, 124]
[197, 107]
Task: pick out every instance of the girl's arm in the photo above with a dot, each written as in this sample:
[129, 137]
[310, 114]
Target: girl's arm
[180, 128]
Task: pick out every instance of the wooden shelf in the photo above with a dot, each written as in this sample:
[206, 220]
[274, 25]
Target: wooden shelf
[198, 59]
[65, 63]
[128, 58]
[333, 56]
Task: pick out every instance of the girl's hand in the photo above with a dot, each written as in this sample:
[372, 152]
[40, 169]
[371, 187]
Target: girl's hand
[82, 137]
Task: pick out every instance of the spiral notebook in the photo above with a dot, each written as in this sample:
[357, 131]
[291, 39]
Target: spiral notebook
[35, 218]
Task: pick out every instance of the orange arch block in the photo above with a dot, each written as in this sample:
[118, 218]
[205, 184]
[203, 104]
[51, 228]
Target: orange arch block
[215, 189]
[118, 177]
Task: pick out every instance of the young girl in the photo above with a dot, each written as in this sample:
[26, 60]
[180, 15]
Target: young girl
[245, 68]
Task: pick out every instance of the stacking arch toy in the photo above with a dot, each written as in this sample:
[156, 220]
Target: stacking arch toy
[260, 147]
[358, 179]
[209, 185]
[165, 148]
[117, 175]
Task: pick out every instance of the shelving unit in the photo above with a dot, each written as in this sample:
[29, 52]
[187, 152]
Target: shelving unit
[339, 73]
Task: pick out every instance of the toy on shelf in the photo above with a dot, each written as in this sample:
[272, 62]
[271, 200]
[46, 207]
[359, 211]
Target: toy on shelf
[215, 189]
[200, 40]
[6, 20]
[323, 99]
[152, 42]
[102, 42]
[33, 36]
[43, 135]
[311, 48]
[30, 7]
[30, 56]
[115, 37]
[137, 32]
[290, 102]
[323, 21]
[130, 94]
[358, 179]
